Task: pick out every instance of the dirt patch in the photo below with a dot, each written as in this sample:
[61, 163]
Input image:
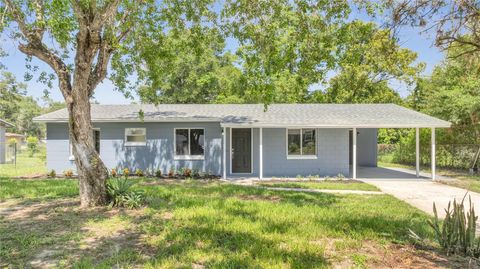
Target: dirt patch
[272, 198]
[42, 234]
[371, 254]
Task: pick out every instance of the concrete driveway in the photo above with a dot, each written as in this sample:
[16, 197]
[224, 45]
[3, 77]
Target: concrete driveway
[419, 192]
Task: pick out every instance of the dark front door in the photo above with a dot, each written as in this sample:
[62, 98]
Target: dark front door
[241, 150]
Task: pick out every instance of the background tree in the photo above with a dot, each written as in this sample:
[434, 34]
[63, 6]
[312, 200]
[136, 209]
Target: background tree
[17, 108]
[190, 67]
[455, 23]
[370, 59]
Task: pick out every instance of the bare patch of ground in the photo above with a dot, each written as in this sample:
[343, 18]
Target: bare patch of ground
[371, 254]
[272, 198]
[53, 233]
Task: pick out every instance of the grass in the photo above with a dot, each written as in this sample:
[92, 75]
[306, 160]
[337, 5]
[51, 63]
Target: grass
[323, 185]
[26, 165]
[198, 224]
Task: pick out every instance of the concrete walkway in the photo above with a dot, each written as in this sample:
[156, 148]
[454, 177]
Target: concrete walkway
[420, 192]
[323, 191]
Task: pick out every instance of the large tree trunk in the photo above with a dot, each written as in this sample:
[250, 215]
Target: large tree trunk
[92, 173]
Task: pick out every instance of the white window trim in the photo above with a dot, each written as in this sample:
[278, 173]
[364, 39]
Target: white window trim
[188, 156]
[301, 156]
[135, 144]
[71, 157]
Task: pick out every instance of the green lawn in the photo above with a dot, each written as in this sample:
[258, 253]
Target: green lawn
[322, 185]
[197, 224]
[26, 165]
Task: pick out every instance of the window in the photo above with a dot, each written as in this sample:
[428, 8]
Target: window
[301, 143]
[135, 137]
[96, 141]
[189, 143]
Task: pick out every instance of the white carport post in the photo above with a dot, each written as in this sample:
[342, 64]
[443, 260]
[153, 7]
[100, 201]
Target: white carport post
[261, 154]
[417, 151]
[354, 153]
[224, 153]
[433, 154]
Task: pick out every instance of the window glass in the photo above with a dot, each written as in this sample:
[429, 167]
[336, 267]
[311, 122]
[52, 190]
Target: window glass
[181, 141]
[294, 142]
[308, 141]
[135, 136]
[196, 142]
[96, 139]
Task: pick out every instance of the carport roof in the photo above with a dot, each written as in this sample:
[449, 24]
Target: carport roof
[255, 115]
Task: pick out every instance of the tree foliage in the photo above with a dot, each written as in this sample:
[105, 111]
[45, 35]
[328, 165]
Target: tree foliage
[455, 23]
[369, 60]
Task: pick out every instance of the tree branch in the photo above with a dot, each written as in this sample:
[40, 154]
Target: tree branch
[35, 47]
[41, 52]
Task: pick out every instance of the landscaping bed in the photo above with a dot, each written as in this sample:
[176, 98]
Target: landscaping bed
[319, 184]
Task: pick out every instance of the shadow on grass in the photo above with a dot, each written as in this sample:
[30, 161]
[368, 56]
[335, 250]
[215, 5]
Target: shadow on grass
[207, 224]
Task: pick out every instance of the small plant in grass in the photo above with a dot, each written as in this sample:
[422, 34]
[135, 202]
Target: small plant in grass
[126, 172]
[52, 173]
[120, 193]
[340, 176]
[158, 173]
[32, 144]
[196, 173]
[171, 172]
[456, 234]
[139, 173]
[68, 173]
[186, 172]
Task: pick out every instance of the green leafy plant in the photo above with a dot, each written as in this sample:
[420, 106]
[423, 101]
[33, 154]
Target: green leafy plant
[52, 173]
[126, 172]
[139, 173]
[158, 173]
[68, 173]
[456, 234]
[171, 173]
[32, 145]
[186, 172]
[120, 193]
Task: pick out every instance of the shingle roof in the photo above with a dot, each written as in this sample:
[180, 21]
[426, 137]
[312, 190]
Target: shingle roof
[253, 115]
[5, 123]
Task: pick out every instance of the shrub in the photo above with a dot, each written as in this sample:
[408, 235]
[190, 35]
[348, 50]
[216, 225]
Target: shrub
[186, 172]
[32, 144]
[68, 173]
[158, 173]
[456, 234]
[11, 141]
[52, 173]
[120, 193]
[126, 172]
[171, 172]
[139, 173]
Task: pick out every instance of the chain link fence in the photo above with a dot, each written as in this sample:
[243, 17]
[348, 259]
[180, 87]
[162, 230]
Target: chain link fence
[449, 156]
[8, 153]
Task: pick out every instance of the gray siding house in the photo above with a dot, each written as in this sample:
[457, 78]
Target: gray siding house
[231, 141]
[3, 141]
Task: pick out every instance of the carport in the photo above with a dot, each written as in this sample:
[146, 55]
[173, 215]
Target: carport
[363, 156]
